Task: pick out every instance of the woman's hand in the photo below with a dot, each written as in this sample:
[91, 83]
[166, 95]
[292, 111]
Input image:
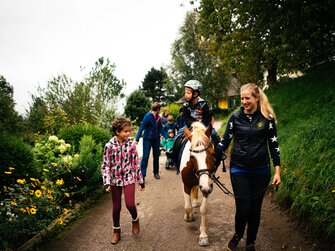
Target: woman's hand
[276, 178]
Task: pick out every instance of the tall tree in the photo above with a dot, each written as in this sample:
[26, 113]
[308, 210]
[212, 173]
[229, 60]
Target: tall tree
[10, 121]
[153, 84]
[137, 105]
[278, 36]
[192, 59]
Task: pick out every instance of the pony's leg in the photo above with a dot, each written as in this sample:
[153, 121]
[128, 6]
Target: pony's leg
[188, 216]
[195, 197]
[203, 238]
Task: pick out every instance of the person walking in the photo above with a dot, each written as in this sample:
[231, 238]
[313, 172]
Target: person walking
[153, 128]
[253, 128]
[120, 171]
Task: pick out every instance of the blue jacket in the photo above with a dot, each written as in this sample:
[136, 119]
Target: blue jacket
[152, 127]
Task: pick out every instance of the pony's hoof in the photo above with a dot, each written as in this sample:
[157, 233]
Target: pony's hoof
[203, 241]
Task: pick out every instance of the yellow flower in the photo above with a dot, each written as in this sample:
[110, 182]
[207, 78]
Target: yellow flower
[65, 210]
[32, 179]
[22, 210]
[60, 221]
[21, 181]
[62, 148]
[67, 194]
[43, 187]
[78, 178]
[8, 172]
[60, 182]
[33, 210]
[50, 197]
[54, 164]
[11, 168]
[31, 192]
[333, 191]
[45, 170]
[14, 203]
[38, 193]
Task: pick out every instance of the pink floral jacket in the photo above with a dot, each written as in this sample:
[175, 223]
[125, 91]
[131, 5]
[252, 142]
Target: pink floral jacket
[120, 164]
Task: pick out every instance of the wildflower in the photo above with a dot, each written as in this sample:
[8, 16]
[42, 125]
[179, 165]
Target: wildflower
[61, 141]
[60, 221]
[21, 181]
[38, 193]
[33, 210]
[31, 192]
[333, 191]
[11, 168]
[13, 203]
[53, 138]
[67, 159]
[54, 164]
[32, 179]
[62, 148]
[60, 182]
[45, 170]
[67, 194]
[78, 178]
[8, 172]
[65, 210]
[23, 210]
[43, 187]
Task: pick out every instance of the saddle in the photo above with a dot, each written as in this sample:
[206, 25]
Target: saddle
[177, 148]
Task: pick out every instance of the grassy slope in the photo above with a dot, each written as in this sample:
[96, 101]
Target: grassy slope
[306, 126]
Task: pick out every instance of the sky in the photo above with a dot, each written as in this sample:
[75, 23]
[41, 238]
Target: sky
[41, 39]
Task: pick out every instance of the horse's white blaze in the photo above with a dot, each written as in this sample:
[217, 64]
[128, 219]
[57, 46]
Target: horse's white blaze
[204, 181]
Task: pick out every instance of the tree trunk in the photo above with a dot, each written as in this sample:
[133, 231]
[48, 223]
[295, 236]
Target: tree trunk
[272, 74]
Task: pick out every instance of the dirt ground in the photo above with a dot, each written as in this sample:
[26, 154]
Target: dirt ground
[160, 209]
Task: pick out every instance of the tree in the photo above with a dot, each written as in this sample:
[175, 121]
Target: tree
[137, 105]
[192, 59]
[153, 84]
[91, 100]
[36, 115]
[278, 36]
[10, 121]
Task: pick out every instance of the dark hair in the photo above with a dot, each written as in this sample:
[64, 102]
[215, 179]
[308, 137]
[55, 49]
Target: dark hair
[119, 124]
[155, 107]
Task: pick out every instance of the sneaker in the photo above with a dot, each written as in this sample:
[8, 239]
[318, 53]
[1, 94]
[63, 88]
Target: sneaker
[157, 176]
[232, 244]
[250, 247]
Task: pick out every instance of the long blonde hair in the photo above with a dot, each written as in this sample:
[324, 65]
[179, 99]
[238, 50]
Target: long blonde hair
[266, 108]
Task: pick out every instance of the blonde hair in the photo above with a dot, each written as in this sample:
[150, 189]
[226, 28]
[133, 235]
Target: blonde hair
[266, 108]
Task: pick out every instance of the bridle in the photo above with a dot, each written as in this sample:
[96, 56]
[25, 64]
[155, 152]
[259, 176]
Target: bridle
[210, 172]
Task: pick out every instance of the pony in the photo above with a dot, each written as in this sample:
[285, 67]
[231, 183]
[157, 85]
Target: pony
[196, 167]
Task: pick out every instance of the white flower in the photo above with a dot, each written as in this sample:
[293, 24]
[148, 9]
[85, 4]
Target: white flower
[53, 138]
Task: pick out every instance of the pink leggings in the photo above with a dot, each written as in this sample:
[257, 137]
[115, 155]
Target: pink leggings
[129, 196]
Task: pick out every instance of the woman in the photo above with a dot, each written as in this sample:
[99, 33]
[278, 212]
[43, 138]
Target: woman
[254, 131]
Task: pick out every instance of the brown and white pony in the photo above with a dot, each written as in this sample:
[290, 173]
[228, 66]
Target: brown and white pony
[196, 167]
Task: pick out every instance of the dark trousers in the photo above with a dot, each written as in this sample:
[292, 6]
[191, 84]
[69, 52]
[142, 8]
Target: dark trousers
[147, 145]
[249, 190]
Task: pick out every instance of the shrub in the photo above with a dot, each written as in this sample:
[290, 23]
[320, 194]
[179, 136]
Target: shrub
[15, 153]
[74, 134]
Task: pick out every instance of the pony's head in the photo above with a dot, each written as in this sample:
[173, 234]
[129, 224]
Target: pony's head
[202, 156]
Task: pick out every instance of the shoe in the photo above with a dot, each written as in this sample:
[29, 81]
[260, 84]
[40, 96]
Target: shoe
[250, 247]
[116, 237]
[136, 226]
[157, 176]
[232, 244]
[169, 154]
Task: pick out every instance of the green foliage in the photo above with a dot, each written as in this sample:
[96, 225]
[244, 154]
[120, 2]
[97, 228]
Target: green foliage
[36, 115]
[153, 82]
[73, 134]
[173, 110]
[15, 153]
[10, 121]
[137, 105]
[306, 133]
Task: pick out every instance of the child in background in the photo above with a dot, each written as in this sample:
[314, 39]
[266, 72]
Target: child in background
[120, 171]
[170, 125]
[168, 144]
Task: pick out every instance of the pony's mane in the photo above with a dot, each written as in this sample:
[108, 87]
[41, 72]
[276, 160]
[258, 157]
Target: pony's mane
[198, 134]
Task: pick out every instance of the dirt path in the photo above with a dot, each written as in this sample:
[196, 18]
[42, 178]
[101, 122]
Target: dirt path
[162, 226]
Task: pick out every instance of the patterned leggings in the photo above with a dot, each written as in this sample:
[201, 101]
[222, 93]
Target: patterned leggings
[129, 196]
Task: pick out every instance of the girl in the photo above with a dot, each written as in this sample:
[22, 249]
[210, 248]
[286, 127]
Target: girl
[120, 171]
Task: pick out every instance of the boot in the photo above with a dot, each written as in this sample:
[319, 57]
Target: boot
[136, 226]
[116, 237]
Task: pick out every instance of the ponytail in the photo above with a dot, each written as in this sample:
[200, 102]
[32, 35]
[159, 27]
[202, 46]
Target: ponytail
[264, 104]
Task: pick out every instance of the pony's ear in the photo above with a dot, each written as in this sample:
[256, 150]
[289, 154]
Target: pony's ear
[209, 130]
[188, 133]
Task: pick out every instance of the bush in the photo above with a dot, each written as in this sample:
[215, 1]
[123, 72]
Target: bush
[74, 134]
[14, 153]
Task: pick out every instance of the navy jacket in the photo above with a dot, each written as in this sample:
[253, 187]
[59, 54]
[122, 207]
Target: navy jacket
[152, 127]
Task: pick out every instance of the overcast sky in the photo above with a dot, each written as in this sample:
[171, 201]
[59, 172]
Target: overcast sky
[40, 39]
